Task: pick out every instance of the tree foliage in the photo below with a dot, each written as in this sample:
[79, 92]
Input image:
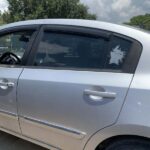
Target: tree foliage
[38, 9]
[1, 18]
[142, 21]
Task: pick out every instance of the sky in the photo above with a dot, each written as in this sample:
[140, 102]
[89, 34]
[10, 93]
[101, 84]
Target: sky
[3, 5]
[116, 11]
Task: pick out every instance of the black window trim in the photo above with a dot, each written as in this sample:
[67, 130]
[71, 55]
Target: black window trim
[134, 54]
[27, 61]
[22, 28]
[84, 31]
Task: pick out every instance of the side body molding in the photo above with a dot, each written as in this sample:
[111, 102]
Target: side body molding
[55, 127]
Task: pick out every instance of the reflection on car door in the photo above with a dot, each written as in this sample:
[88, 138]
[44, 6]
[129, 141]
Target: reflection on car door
[80, 93]
[11, 41]
[8, 105]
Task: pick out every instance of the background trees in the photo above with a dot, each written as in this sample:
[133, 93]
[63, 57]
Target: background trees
[142, 21]
[36, 9]
[1, 18]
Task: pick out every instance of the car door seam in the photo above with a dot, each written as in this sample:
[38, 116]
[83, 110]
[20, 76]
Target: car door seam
[17, 102]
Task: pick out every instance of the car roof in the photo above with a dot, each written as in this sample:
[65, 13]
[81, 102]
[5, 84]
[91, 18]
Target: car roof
[125, 30]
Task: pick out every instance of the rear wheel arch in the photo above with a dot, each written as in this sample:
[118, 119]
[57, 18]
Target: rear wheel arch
[117, 131]
[122, 139]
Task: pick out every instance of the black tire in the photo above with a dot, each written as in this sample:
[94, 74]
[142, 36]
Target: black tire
[128, 144]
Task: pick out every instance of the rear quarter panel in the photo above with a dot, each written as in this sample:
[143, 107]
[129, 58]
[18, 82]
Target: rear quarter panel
[134, 118]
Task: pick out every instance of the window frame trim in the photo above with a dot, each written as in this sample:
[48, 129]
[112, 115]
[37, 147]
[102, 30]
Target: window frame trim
[136, 47]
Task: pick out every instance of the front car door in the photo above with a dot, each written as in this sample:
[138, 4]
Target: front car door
[76, 86]
[14, 46]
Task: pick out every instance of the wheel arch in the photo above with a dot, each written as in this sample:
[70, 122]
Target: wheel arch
[113, 139]
[117, 132]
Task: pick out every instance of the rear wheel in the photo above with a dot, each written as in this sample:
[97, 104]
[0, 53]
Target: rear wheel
[128, 144]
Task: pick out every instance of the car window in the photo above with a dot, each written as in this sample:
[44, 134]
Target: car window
[81, 52]
[14, 45]
[119, 49]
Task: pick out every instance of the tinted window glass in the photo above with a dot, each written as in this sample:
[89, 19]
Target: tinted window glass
[81, 52]
[71, 51]
[15, 43]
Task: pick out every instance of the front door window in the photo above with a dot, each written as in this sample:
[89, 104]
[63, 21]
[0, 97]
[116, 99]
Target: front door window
[13, 46]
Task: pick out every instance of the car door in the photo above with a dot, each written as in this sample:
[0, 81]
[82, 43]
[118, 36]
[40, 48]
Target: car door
[76, 84]
[14, 46]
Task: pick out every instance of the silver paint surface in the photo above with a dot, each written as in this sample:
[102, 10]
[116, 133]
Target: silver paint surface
[57, 96]
[8, 102]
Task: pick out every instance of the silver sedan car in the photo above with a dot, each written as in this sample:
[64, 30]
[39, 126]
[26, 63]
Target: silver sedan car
[75, 84]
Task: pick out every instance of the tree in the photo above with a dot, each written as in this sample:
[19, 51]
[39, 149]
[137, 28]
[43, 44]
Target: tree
[38, 9]
[1, 19]
[142, 21]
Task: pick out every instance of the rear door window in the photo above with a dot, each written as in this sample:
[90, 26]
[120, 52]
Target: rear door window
[63, 50]
[71, 51]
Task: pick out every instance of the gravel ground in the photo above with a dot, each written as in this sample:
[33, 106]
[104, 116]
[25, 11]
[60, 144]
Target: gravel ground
[9, 142]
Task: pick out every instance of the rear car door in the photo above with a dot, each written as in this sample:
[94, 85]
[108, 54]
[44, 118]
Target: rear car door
[15, 43]
[76, 86]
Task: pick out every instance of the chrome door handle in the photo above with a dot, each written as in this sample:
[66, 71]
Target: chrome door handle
[5, 85]
[109, 95]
